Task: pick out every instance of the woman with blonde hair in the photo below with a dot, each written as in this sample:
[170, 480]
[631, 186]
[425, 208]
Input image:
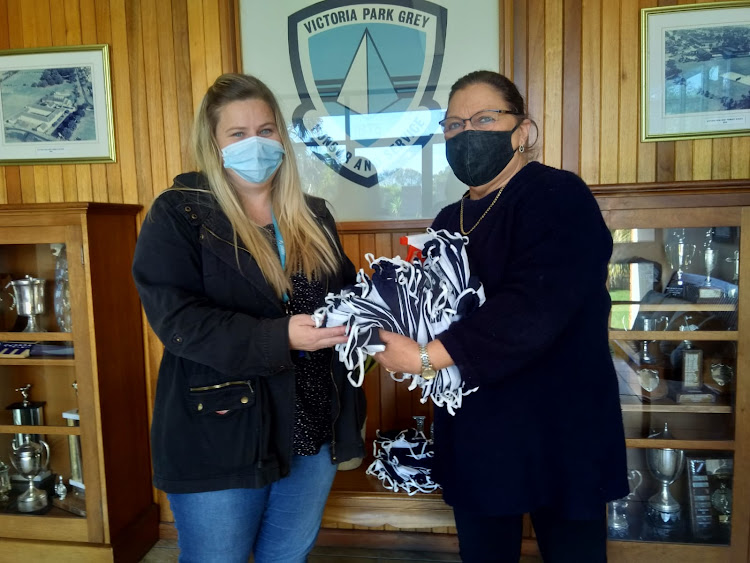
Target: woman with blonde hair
[252, 413]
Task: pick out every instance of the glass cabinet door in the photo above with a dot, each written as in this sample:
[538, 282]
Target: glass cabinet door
[40, 441]
[674, 342]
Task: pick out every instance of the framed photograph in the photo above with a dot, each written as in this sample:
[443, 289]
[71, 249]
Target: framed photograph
[695, 71]
[56, 106]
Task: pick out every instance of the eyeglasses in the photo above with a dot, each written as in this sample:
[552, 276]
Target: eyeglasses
[481, 120]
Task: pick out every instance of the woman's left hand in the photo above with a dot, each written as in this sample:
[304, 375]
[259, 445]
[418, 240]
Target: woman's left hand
[401, 353]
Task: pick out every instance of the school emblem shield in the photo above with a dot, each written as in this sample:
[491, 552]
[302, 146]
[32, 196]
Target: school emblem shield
[366, 73]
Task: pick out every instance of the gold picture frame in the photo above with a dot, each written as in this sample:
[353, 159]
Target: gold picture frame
[56, 106]
[695, 71]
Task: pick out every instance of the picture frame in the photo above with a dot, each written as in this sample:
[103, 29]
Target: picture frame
[56, 106]
[695, 71]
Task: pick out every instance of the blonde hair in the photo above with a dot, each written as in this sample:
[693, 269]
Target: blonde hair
[309, 246]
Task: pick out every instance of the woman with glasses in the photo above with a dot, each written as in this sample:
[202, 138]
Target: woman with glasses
[543, 434]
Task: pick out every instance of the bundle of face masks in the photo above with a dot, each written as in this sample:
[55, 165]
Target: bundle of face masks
[418, 298]
[403, 461]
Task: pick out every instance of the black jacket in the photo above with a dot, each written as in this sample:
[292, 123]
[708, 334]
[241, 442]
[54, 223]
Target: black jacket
[545, 427]
[226, 344]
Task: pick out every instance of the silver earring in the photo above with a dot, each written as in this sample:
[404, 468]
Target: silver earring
[521, 149]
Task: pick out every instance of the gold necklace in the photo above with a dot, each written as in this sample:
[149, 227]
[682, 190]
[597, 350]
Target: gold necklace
[461, 216]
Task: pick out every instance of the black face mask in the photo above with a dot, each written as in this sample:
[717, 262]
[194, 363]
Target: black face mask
[476, 157]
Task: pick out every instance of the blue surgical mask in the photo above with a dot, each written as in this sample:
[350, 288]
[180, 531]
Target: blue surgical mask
[254, 159]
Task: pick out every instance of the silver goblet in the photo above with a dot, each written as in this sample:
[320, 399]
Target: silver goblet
[680, 254]
[30, 459]
[28, 300]
[666, 466]
[617, 517]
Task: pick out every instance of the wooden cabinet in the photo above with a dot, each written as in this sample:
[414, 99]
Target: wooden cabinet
[679, 334]
[107, 365]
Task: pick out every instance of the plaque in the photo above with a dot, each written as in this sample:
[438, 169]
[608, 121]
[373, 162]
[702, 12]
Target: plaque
[652, 384]
[692, 368]
[710, 492]
[720, 376]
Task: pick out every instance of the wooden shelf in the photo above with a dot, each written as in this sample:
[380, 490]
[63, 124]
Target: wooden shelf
[712, 307]
[38, 361]
[360, 499]
[629, 551]
[712, 445]
[55, 525]
[677, 335]
[28, 429]
[630, 403]
[36, 336]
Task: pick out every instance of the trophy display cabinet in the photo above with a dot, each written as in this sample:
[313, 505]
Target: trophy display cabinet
[75, 472]
[680, 339]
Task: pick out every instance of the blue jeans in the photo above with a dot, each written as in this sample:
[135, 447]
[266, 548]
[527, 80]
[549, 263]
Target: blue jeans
[278, 523]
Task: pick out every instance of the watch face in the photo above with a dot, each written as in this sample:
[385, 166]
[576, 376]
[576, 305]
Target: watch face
[428, 373]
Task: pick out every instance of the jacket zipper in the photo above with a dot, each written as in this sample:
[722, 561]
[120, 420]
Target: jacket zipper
[223, 385]
[336, 395]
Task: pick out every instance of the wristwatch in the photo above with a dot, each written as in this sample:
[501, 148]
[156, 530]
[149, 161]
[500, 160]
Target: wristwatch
[428, 372]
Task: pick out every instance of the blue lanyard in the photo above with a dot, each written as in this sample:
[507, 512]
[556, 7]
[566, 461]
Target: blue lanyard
[280, 246]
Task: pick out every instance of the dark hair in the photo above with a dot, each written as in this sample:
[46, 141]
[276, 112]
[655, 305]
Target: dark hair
[503, 86]
[500, 83]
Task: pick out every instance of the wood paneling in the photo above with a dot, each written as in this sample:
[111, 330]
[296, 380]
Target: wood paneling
[156, 50]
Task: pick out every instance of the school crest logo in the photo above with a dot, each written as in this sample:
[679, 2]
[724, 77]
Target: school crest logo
[366, 73]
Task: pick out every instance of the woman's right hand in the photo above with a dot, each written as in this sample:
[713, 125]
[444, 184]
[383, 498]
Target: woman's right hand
[305, 336]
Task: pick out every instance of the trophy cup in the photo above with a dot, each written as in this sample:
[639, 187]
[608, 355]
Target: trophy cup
[28, 300]
[617, 518]
[28, 413]
[665, 465]
[30, 459]
[680, 255]
[710, 258]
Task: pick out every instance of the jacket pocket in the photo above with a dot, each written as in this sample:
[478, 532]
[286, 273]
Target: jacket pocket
[227, 396]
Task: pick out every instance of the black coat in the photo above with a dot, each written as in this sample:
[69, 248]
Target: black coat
[226, 344]
[545, 427]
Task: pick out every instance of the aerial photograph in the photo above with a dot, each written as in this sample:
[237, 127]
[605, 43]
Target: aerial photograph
[47, 104]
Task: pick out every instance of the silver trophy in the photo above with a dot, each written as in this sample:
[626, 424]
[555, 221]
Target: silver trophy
[27, 413]
[617, 516]
[30, 459]
[710, 258]
[666, 466]
[650, 324]
[680, 255]
[28, 300]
